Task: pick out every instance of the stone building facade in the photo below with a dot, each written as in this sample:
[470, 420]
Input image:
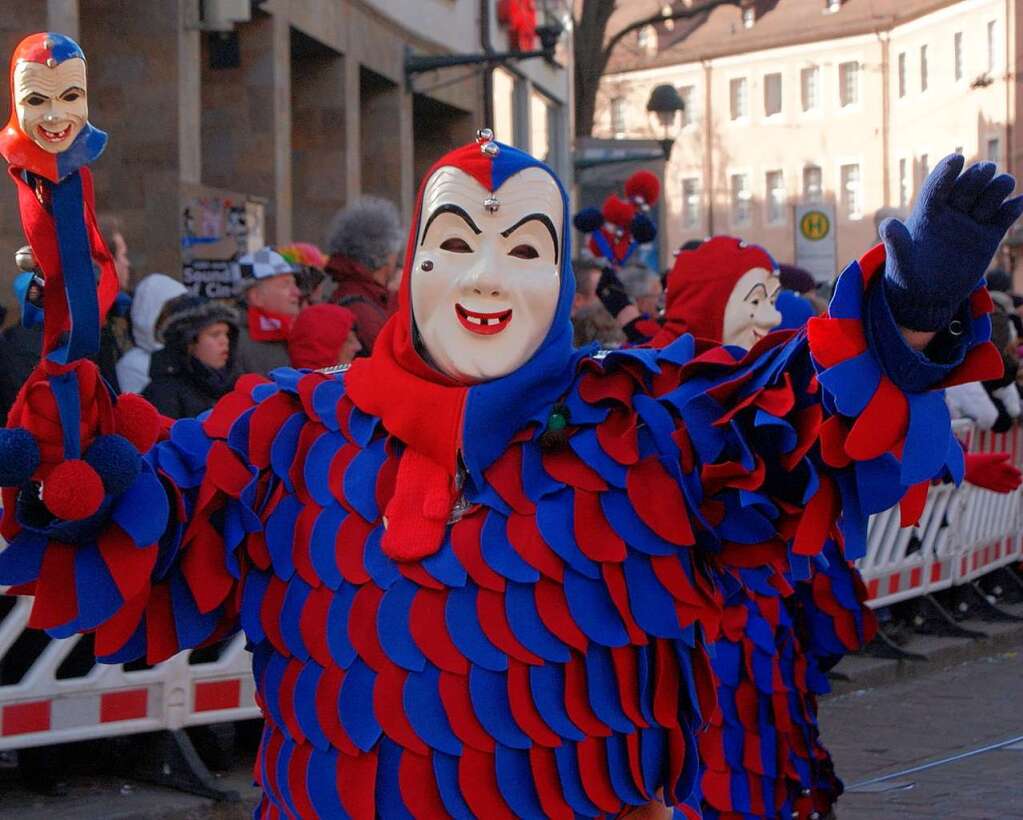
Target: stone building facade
[846, 101]
[302, 108]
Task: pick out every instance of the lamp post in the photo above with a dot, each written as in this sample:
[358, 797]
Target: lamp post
[663, 108]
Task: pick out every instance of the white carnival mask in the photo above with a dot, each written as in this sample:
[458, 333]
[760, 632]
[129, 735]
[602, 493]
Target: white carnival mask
[486, 275]
[52, 104]
[750, 313]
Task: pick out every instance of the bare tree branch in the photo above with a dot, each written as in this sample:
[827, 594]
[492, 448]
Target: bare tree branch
[682, 14]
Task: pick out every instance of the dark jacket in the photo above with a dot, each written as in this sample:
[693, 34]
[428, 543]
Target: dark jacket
[259, 357]
[20, 348]
[181, 386]
[371, 302]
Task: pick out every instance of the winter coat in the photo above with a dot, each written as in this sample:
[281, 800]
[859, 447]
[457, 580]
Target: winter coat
[151, 294]
[182, 386]
[971, 401]
[20, 348]
[259, 357]
[371, 302]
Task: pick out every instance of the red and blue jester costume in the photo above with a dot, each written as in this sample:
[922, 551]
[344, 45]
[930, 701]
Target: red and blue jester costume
[495, 599]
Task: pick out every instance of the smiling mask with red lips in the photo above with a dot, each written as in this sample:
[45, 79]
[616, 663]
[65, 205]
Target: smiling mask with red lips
[485, 277]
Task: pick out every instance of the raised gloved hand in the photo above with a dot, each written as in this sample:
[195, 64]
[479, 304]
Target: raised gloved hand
[939, 255]
[992, 471]
[611, 291]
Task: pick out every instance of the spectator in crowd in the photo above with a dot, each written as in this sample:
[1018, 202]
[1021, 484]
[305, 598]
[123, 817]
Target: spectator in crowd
[151, 294]
[593, 323]
[323, 336]
[194, 367]
[643, 287]
[20, 346]
[587, 273]
[365, 240]
[271, 299]
[309, 263]
[115, 335]
[971, 401]
[1002, 391]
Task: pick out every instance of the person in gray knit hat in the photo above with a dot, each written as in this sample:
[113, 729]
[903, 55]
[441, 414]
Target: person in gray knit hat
[271, 299]
[195, 366]
[365, 239]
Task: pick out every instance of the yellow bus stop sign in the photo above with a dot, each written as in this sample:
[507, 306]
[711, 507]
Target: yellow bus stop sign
[815, 225]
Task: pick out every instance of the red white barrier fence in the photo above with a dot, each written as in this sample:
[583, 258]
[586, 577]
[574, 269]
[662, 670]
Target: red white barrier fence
[47, 705]
[963, 533]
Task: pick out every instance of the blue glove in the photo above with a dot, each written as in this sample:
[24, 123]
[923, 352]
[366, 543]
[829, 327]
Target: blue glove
[936, 259]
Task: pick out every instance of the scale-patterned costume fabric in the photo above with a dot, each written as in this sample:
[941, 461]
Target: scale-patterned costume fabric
[549, 659]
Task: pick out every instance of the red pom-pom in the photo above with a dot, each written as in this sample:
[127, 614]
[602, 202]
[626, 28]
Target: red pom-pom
[137, 420]
[618, 211]
[644, 186]
[73, 491]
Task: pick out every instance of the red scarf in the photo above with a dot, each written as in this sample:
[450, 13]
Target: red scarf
[265, 326]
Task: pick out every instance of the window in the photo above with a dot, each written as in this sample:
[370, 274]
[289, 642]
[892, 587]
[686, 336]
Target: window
[925, 167]
[646, 39]
[809, 78]
[903, 183]
[772, 94]
[749, 16]
[902, 74]
[994, 150]
[813, 189]
[691, 203]
[775, 183]
[505, 121]
[923, 68]
[831, 6]
[688, 113]
[851, 197]
[540, 127]
[741, 199]
[617, 115]
[849, 83]
[738, 90]
[992, 46]
[957, 54]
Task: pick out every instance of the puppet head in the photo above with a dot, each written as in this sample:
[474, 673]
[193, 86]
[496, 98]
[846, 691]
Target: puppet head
[486, 273]
[48, 132]
[725, 290]
[623, 222]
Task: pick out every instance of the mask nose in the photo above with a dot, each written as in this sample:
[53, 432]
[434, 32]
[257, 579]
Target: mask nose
[482, 281]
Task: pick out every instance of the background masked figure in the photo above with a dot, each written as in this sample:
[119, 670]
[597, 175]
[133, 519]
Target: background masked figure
[473, 569]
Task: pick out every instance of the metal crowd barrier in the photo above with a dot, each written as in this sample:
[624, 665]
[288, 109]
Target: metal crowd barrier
[964, 532]
[60, 694]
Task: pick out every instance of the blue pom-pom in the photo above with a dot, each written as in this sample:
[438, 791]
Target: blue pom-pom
[19, 456]
[643, 229]
[117, 462]
[588, 220]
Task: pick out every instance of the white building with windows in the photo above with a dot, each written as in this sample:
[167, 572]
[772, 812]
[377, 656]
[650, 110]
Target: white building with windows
[844, 101]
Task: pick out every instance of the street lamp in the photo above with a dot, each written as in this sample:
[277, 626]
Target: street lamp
[666, 104]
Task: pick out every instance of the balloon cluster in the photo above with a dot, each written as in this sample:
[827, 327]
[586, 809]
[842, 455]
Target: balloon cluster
[623, 223]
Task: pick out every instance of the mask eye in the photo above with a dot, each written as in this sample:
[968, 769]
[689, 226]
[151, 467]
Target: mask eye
[70, 96]
[455, 245]
[34, 99]
[524, 252]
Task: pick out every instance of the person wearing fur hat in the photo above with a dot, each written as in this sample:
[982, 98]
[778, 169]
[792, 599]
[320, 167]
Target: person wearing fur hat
[194, 368]
[364, 243]
[272, 299]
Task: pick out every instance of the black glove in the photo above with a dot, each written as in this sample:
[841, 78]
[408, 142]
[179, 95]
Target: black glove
[611, 291]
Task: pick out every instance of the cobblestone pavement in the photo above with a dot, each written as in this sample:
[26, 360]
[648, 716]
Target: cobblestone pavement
[877, 732]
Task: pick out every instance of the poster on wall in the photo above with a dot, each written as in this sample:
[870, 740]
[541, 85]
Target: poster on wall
[216, 228]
